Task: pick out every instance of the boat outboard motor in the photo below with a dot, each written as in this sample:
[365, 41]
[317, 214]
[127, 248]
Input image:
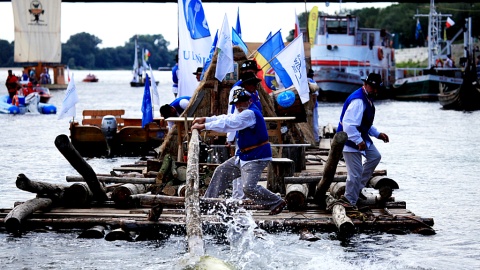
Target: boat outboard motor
[109, 129]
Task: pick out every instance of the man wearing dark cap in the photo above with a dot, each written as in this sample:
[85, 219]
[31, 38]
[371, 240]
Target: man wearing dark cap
[356, 120]
[252, 156]
[198, 73]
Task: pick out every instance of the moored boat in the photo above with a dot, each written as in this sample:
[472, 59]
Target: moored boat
[30, 103]
[343, 53]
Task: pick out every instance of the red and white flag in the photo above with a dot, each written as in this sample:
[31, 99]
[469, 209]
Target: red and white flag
[296, 32]
[449, 23]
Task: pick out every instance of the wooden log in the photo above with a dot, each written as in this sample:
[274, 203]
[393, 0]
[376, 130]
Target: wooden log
[174, 168]
[193, 220]
[311, 179]
[297, 155]
[330, 168]
[14, 218]
[65, 147]
[78, 195]
[95, 232]
[344, 224]
[43, 189]
[118, 234]
[169, 189]
[377, 182]
[337, 189]
[277, 169]
[121, 194]
[115, 179]
[164, 169]
[296, 196]
[181, 190]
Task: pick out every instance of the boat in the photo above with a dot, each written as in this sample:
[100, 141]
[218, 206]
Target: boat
[90, 78]
[139, 71]
[342, 54]
[30, 103]
[465, 97]
[106, 133]
[38, 46]
[413, 84]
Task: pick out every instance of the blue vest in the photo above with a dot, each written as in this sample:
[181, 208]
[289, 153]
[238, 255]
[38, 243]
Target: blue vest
[252, 136]
[367, 118]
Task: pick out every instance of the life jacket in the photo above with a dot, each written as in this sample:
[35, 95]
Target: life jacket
[174, 76]
[253, 141]
[15, 101]
[367, 118]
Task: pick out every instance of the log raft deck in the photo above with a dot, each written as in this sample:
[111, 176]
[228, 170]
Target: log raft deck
[167, 215]
[143, 197]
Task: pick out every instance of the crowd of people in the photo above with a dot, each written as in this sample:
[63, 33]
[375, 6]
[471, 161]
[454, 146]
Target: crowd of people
[23, 85]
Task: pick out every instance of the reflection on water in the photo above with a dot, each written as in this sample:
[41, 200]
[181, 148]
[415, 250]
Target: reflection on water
[432, 155]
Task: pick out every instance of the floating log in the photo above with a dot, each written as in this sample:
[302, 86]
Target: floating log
[277, 169]
[121, 194]
[169, 189]
[330, 167]
[296, 196]
[339, 215]
[311, 179]
[78, 195]
[193, 220]
[43, 189]
[65, 147]
[114, 179]
[377, 182]
[337, 189]
[14, 218]
[95, 232]
[181, 190]
[118, 234]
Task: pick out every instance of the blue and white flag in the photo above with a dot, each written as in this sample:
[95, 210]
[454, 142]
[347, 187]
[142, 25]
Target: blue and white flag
[147, 112]
[237, 40]
[418, 30]
[194, 44]
[155, 96]
[225, 51]
[69, 101]
[292, 59]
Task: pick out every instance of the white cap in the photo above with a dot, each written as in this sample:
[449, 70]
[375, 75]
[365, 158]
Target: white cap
[183, 103]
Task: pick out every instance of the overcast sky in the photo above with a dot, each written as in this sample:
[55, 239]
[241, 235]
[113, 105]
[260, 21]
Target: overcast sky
[115, 23]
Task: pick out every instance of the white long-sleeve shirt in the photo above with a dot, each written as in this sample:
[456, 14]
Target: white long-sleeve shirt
[351, 120]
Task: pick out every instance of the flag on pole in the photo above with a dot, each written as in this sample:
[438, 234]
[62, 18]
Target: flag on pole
[69, 101]
[225, 51]
[238, 28]
[265, 53]
[237, 40]
[68, 74]
[418, 30]
[210, 56]
[312, 24]
[194, 44]
[155, 96]
[449, 23]
[147, 112]
[147, 54]
[292, 58]
[297, 26]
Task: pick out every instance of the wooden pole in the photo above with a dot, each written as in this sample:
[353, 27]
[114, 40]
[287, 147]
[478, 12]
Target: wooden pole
[43, 189]
[14, 218]
[115, 179]
[65, 147]
[192, 201]
[330, 168]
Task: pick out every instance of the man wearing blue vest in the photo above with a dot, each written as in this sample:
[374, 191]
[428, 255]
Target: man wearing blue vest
[356, 120]
[252, 156]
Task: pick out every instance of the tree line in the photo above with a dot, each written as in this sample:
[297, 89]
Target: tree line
[81, 51]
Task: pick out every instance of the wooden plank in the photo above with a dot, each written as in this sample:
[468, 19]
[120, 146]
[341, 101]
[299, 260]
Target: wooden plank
[102, 113]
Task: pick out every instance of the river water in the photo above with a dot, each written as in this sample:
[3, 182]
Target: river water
[433, 155]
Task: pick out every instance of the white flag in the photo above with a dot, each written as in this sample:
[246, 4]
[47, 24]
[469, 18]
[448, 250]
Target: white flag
[194, 45]
[155, 96]
[225, 51]
[292, 59]
[71, 98]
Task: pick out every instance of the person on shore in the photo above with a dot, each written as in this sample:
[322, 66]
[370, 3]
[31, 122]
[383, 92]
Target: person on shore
[356, 120]
[253, 154]
[175, 77]
[174, 109]
[12, 84]
[198, 73]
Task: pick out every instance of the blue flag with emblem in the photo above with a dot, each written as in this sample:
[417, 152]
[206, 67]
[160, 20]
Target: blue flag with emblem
[418, 30]
[147, 112]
